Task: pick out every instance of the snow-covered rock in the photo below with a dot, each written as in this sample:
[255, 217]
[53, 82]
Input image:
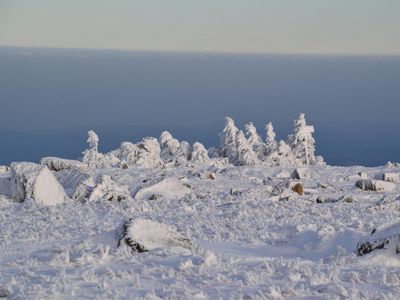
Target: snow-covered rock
[391, 177]
[375, 185]
[142, 235]
[58, 164]
[37, 182]
[387, 237]
[168, 188]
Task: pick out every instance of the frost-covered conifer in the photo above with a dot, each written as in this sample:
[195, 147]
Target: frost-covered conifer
[199, 153]
[169, 146]
[302, 142]
[228, 146]
[251, 133]
[245, 154]
[270, 141]
[93, 140]
[255, 140]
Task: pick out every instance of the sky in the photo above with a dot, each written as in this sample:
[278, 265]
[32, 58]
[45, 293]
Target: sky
[260, 26]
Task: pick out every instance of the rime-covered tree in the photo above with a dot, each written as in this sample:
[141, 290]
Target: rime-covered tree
[128, 153]
[254, 140]
[281, 156]
[183, 154]
[245, 153]
[93, 140]
[270, 141]
[169, 146]
[251, 133]
[149, 153]
[93, 158]
[228, 146]
[199, 153]
[302, 142]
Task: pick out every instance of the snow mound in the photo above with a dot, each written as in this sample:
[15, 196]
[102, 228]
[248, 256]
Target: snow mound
[168, 188]
[30, 180]
[142, 235]
[58, 164]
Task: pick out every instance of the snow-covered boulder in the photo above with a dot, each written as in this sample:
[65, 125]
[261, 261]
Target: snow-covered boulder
[391, 177]
[375, 185]
[168, 188]
[58, 164]
[30, 180]
[387, 237]
[142, 235]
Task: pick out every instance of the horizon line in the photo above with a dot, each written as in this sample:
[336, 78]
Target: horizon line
[199, 52]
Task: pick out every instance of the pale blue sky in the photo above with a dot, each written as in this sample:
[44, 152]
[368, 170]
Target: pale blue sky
[266, 26]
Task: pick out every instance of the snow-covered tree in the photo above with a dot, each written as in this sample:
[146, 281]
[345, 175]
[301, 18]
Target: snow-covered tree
[128, 153]
[281, 156]
[245, 154]
[199, 153]
[254, 140]
[183, 154]
[149, 153]
[302, 142]
[213, 152]
[270, 141]
[169, 146]
[93, 140]
[93, 158]
[251, 133]
[228, 146]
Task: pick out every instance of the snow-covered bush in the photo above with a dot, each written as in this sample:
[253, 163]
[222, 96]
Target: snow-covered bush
[282, 156]
[228, 146]
[199, 153]
[245, 154]
[302, 142]
[109, 190]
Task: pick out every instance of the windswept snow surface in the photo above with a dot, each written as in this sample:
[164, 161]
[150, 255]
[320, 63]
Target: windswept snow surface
[246, 244]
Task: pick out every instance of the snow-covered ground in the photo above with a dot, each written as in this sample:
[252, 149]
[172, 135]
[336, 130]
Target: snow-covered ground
[251, 236]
